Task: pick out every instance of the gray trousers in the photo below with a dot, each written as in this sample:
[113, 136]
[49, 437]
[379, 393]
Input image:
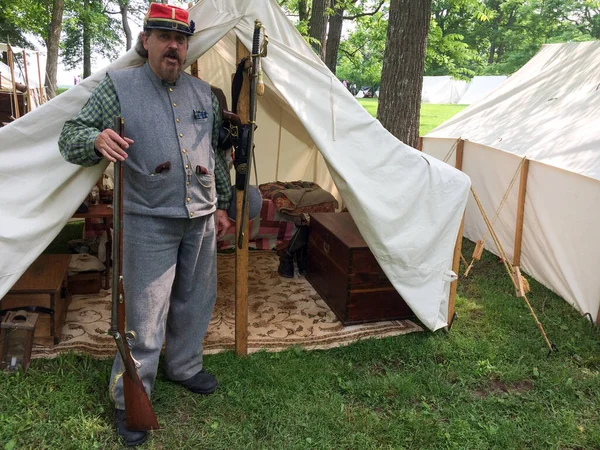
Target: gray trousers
[170, 281]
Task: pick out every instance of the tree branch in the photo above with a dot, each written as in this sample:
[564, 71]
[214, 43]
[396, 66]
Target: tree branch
[372, 13]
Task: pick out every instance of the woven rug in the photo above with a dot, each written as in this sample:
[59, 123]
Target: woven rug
[282, 312]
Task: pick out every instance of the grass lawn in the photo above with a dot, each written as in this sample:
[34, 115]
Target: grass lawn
[431, 115]
[487, 384]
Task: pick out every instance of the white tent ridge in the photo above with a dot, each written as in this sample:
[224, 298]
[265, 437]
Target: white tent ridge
[547, 113]
[407, 206]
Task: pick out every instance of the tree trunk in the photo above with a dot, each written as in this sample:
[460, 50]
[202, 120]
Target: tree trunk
[334, 35]
[52, 47]
[87, 41]
[317, 26]
[124, 6]
[303, 10]
[403, 66]
[491, 53]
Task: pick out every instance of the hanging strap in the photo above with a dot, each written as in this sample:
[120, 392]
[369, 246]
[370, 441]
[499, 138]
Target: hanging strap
[236, 84]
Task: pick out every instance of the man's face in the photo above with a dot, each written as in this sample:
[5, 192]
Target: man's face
[166, 52]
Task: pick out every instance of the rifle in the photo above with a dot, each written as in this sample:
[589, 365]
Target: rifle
[244, 163]
[138, 410]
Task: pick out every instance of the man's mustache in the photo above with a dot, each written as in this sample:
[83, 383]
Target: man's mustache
[172, 54]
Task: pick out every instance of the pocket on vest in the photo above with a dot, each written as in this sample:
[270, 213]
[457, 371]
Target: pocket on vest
[204, 191]
[150, 191]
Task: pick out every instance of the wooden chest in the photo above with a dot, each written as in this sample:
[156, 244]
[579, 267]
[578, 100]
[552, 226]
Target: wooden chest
[43, 289]
[345, 273]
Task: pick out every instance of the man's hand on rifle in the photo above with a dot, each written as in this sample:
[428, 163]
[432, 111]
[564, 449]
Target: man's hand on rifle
[222, 222]
[111, 146]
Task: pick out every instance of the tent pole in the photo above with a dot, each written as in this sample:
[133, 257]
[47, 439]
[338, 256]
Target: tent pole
[458, 246]
[40, 85]
[278, 144]
[194, 69]
[14, 86]
[455, 269]
[521, 287]
[241, 254]
[520, 213]
[460, 150]
[27, 81]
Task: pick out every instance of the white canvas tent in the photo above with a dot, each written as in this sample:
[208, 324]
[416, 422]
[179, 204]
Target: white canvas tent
[442, 89]
[480, 87]
[546, 112]
[408, 206]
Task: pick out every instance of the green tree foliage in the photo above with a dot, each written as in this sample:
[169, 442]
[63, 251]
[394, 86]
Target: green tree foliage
[361, 55]
[89, 30]
[474, 37]
[11, 25]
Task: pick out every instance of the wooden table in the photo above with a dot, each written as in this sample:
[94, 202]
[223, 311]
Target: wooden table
[43, 288]
[105, 213]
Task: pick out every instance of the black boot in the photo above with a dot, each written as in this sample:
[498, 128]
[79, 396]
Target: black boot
[129, 437]
[201, 383]
[302, 260]
[286, 266]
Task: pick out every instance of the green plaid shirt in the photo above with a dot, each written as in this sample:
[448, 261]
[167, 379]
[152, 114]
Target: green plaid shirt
[76, 142]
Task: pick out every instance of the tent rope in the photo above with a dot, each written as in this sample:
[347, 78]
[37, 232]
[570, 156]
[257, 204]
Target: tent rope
[509, 269]
[451, 151]
[497, 213]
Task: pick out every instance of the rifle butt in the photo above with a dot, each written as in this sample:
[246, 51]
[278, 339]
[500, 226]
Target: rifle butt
[138, 410]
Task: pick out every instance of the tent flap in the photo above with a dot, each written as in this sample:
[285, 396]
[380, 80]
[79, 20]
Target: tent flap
[407, 206]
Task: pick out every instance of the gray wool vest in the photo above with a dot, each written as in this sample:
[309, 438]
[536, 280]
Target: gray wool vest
[168, 123]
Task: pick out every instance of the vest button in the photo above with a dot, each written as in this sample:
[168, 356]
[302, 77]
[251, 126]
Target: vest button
[189, 199]
[174, 104]
[177, 120]
[187, 166]
[170, 89]
[180, 135]
[184, 150]
[191, 214]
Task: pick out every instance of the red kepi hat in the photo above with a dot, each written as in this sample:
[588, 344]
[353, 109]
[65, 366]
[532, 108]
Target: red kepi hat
[167, 17]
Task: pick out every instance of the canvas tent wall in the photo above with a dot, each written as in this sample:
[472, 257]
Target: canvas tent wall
[408, 206]
[442, 89]
[546, 112]
[480, 87]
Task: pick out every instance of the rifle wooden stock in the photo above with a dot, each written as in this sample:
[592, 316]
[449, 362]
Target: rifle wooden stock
[138, 410]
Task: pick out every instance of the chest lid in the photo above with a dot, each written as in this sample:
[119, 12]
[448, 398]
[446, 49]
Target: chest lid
[342, 227]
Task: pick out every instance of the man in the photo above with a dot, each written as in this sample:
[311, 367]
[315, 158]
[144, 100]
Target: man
[172, 214]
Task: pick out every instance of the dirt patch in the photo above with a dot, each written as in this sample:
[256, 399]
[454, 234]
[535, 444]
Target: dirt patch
[496, 387]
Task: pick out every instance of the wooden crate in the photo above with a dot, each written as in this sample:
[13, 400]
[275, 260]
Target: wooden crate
[85, 283]
[345, 273]
[43, 285]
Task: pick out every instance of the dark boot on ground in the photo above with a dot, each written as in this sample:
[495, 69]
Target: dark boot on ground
[286, 266]
[201, 383]
[130, 438]
[302, 260]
